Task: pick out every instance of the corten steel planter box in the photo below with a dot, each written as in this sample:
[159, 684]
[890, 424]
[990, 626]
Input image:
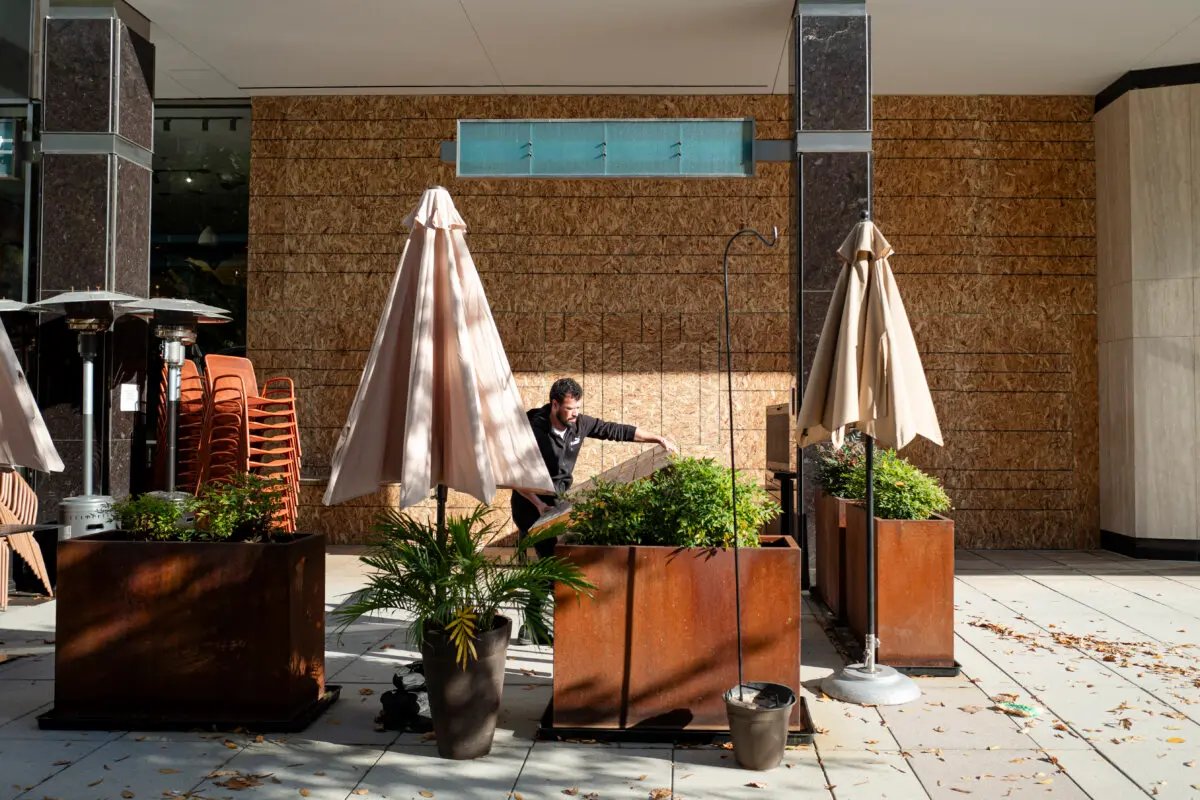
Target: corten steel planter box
[831, 551]
[175, 635]
[657, 646]
[914, 562]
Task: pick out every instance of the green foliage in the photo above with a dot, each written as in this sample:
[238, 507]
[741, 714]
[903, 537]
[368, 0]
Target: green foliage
[242, 508]
[835, 465]
[447, 582]
[686, 504]
[147, 518]
[902, 491]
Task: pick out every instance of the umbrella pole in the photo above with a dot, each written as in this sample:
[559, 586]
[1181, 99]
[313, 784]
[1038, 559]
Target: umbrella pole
[441, 510]
[870, 644]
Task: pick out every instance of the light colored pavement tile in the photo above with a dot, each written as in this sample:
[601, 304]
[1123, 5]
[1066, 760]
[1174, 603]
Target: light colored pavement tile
[18, 698]
[871, 776]
[842, 726]
[992, 774]
[521, 711]
[714, 774]
[553, 767]
[405, 771]
[29, 668]
[351, 720]
[25, 763]
[1096, 775]
[938, 719]
[325, 771]
[144, 769]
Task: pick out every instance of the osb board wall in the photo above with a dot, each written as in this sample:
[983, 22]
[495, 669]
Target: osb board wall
[614, 282]
[989, 203]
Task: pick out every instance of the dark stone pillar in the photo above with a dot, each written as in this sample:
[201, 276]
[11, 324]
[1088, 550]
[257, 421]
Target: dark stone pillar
[96, 145]
[831, 57]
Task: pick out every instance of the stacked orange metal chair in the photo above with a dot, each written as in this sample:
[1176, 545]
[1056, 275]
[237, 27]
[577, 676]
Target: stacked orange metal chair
[268, 442]
[190, 430]
[19, 506]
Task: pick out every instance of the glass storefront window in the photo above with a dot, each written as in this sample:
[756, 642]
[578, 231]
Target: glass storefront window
[16, 45]
[200, 214]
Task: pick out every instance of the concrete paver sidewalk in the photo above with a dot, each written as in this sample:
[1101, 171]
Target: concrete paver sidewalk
[1102, 643]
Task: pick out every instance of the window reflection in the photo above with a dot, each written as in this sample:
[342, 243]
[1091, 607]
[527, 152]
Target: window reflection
[200, 214]
[16, 33]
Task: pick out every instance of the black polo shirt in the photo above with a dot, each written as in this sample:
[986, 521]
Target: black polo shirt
[559, 451]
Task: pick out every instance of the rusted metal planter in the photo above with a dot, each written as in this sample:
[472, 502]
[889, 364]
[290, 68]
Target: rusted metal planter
[656, 648]
[830, 523]
[177, 635]
[915, 582]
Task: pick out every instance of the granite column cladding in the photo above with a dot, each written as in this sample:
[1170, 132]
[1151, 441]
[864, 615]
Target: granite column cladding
[97, 139]
[832, 91]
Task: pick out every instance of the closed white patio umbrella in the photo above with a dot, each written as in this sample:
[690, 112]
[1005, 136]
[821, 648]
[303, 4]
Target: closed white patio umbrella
[437, 404]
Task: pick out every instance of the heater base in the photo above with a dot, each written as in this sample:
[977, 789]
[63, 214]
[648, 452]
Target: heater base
[85, 514]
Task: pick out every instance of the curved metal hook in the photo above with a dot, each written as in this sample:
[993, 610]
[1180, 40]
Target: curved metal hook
[737, 589]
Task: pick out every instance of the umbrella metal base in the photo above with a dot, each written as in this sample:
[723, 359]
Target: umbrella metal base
[882, 687]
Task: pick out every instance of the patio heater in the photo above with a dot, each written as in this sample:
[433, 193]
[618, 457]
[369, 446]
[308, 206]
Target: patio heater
[88, 313]
[175, 322]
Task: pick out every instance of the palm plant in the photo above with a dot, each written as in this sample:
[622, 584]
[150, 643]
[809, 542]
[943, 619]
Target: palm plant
[449, 584]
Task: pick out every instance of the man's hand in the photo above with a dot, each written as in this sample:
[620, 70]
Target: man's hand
[668, 445]
[640, 435]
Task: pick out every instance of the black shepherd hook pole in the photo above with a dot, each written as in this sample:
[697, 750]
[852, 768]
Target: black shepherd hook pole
[737, 573]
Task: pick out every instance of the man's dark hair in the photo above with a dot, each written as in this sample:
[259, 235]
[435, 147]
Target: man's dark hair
[564, 388]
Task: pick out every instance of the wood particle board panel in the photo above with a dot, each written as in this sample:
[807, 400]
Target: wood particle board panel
[989, 202]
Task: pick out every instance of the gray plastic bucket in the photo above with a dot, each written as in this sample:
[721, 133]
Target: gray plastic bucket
[759, 726]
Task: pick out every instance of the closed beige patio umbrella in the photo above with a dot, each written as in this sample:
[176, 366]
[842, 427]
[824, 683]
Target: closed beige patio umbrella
[867, 373]
[24, 439]
[437, 404]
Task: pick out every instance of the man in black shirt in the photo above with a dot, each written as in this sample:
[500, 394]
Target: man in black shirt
[560, 429]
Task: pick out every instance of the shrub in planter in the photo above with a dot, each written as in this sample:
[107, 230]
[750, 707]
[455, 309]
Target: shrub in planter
[914, 564]
[835, 465]
[657, 648]
[902, 491]
[687, 504]
[455, 591]
[167, 625]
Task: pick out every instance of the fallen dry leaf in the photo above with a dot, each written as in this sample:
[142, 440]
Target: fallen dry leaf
[305, 793]
[426, 794]
[1176, 740]
[230, 745]
[364, 692]
[168, 771]
[756, 785]
[361, 792]
[970, 709]
[660, 794]
[259, 739]
[641, 777]
[96, 783]
[127, 794]
[61, 763]
[571, 792]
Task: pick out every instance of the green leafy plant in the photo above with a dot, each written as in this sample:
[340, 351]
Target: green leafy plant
[836, 465]
[902, 491]
[147, 518]
[241, 508]
[686, 504]
[448, 583]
